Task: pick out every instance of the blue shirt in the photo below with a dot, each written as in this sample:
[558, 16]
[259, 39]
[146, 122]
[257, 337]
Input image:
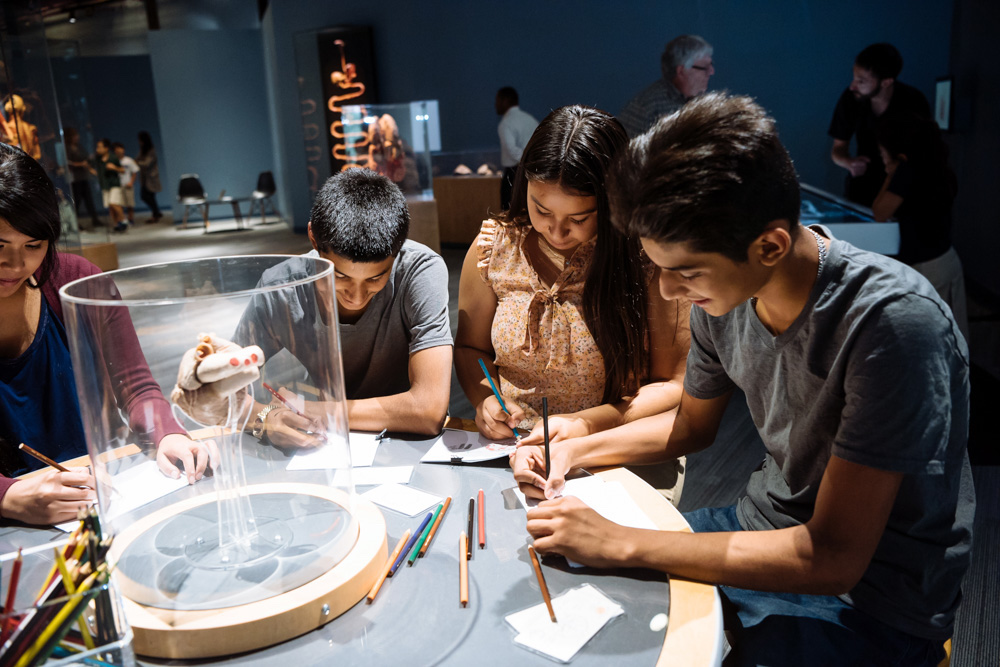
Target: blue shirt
[38, 402]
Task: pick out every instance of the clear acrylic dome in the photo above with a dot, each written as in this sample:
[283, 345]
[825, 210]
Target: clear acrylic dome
[189, 346]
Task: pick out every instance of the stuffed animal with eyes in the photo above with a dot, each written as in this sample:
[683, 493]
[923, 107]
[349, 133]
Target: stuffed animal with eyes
[210, 373]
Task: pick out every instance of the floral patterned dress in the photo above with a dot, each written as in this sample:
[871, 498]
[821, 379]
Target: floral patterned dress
[542, 344]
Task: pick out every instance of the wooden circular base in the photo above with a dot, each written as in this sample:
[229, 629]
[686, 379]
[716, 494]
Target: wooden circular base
[173, 634]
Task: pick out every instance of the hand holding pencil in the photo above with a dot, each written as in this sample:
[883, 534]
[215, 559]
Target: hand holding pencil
[292, 428]
[497, 418]
[52, 496]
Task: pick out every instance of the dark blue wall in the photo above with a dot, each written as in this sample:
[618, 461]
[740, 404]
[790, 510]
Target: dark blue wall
[120, 100]
[795, 57]
[212, 101]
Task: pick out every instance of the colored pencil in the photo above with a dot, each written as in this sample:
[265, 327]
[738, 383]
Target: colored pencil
[388, 565]
[463, 570]
[15, 575]
[409, 545]
[541, 582]
[423, 536]
[434, 526]
[472, 514]
[41, 457]
[283, 400]
[496, 392]
[545, 427]
[482, 520]
[70, 586]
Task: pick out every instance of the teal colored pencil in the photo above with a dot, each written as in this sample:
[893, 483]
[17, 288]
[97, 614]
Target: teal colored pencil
[496, 393]
[427, 530]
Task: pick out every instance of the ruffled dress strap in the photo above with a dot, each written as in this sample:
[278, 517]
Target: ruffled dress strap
[489, 234]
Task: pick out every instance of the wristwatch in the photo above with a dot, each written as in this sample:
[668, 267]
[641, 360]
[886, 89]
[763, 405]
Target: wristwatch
[259, 422]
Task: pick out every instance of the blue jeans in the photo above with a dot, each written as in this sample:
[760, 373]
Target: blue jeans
[778, 629]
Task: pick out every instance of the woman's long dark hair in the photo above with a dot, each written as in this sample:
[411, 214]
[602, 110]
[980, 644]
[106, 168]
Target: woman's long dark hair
[573, 147]
[145, 143]
[28, 202]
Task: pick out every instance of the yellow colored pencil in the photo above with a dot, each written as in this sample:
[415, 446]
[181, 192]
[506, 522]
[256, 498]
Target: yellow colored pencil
[70, 587]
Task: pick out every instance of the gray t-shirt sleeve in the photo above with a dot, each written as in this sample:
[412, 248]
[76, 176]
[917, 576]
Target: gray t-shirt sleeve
[705, 377]
[897, 405]
[425, 304]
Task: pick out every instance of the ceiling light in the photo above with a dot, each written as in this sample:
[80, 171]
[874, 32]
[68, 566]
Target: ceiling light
[72, 16]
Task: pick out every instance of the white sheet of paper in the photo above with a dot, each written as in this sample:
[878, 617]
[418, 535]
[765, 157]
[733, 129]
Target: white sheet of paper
[402, 499]
[139, 485]
[378, 475]
[580, 613]
[328, 457]
[467, 446]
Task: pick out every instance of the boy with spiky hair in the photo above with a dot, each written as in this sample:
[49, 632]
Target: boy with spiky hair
[851, 541]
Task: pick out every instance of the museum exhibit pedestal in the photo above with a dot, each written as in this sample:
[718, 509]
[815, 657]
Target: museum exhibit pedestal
[463, 203]
[424, 221]
[104, 255]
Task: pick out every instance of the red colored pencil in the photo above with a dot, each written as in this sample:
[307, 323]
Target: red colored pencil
[482, 520]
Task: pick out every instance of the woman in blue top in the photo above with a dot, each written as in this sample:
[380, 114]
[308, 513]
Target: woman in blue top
[38, 401]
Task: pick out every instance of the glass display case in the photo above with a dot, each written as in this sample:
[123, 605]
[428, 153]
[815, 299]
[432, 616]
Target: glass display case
[29, 111]
[241, 354]
[343, 126]
[393, 139]
[466, 163]
[848, 221]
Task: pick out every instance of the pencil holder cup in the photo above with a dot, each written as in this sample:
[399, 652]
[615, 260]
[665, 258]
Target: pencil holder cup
[45, 625]
[213, 404]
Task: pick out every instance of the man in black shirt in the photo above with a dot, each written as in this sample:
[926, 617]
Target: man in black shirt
[874, 92]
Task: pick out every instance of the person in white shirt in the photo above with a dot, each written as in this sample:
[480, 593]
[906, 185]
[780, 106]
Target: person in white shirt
[130, 169]
[515, 129]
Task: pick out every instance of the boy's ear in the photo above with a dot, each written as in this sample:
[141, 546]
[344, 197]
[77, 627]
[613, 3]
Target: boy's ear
[774, 243]
[309, 231]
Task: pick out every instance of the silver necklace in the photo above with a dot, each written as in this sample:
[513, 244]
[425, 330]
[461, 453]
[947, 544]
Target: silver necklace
[820, 247]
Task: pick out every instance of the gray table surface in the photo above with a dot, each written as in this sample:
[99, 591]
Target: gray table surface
[417, 617]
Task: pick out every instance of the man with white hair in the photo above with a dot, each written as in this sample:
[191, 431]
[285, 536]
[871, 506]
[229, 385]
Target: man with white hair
[686, 64]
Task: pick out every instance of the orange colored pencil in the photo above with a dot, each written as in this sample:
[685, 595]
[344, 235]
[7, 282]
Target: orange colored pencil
[463, 570]
[541, 582]
[437, 522]
[482, 520]
[388, 566]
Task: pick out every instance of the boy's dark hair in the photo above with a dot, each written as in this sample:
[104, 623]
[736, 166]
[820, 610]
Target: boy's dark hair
[361, 215]
[882, 60]
[115, 146]
[508, 94]
[713, 175]
[28, 203]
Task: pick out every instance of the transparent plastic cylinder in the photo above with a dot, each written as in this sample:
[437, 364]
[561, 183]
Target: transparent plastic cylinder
[189, 346]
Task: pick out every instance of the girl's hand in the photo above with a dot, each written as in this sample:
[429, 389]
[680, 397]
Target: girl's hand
[494, 422]
[49, 498]
[177, 449]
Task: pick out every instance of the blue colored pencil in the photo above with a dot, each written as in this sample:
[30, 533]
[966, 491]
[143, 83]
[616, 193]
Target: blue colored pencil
[409, 545]
[496, 393]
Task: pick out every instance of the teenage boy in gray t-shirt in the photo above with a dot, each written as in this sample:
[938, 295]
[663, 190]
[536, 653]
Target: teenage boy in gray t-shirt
[392, 307]
[851, 541]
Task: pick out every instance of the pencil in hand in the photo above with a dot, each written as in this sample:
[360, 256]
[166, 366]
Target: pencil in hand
[545, 428]
[41, 457]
